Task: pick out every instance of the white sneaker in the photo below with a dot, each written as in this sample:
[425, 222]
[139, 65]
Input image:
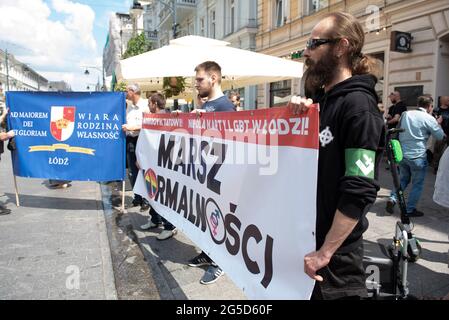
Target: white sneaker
[166, 234]
[148, 225]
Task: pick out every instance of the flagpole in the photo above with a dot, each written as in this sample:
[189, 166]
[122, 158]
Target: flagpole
[17, 191]
[123, 196]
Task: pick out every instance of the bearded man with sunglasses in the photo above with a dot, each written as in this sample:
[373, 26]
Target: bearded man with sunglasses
[341, 79]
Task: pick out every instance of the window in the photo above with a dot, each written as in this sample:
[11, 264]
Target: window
[411, 94]
[280, 92]
[278, 13]
[202, 27]
[232, 16]
[212, 26]
[311, 6]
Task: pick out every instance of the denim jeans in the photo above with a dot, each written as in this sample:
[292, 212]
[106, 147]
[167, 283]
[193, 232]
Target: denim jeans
[415, 171]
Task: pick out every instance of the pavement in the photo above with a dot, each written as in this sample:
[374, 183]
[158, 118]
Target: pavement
[72, 244]
[167, 261]
[428, 278]
[55, 245]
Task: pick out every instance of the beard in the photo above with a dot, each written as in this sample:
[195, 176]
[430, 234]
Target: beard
[204, 93]
[321, 72]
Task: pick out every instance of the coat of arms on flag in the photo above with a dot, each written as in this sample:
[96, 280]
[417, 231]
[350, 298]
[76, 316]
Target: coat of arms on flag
[62, 122]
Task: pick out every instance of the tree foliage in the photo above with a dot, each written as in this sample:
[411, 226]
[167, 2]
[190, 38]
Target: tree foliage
[120, 86]
[137, 45]
[173, 86]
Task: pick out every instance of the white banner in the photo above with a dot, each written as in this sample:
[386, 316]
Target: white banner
[241, 186]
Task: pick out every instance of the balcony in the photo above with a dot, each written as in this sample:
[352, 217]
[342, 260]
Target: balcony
[191, 3]
[184, 9]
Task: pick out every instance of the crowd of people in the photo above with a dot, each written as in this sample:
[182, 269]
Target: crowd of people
[341, 78]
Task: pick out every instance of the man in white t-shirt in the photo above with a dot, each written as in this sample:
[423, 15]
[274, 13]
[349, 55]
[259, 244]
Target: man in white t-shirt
[136, 106]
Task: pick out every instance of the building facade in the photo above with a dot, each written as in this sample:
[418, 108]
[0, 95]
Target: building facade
[18, 76]
[122, 27]
[120, 31]
[285, 26]
[234, 21]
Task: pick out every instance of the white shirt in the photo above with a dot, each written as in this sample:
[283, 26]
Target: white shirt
[134, 115]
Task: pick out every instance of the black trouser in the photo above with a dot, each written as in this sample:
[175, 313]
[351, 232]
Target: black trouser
[343, 278]
[157, 219]
[3, 209]
[131, 159]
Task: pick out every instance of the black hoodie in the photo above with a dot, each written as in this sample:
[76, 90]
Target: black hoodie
[351, 140]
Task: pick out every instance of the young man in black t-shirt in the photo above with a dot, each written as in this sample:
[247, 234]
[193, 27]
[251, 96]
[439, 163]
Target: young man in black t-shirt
[208, 85]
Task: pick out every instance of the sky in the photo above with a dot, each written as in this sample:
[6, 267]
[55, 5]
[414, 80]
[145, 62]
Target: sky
[57, 38]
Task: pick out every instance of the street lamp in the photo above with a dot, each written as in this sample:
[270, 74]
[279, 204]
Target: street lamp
[7, 70]
[86, 72]
[137, 9]
[91, 84]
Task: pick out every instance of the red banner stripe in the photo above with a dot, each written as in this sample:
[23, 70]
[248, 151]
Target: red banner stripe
[274, 127]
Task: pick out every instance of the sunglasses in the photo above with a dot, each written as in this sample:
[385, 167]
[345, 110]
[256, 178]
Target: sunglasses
[312, 44]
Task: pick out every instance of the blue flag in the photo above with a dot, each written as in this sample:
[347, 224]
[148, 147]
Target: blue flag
[68, 136]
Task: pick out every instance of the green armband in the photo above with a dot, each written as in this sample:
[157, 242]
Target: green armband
[360, 163]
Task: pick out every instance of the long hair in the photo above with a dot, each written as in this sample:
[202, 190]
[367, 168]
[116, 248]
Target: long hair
[346, 26]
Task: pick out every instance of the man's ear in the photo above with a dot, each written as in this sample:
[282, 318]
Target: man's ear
[213, 78]
[342, 47]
